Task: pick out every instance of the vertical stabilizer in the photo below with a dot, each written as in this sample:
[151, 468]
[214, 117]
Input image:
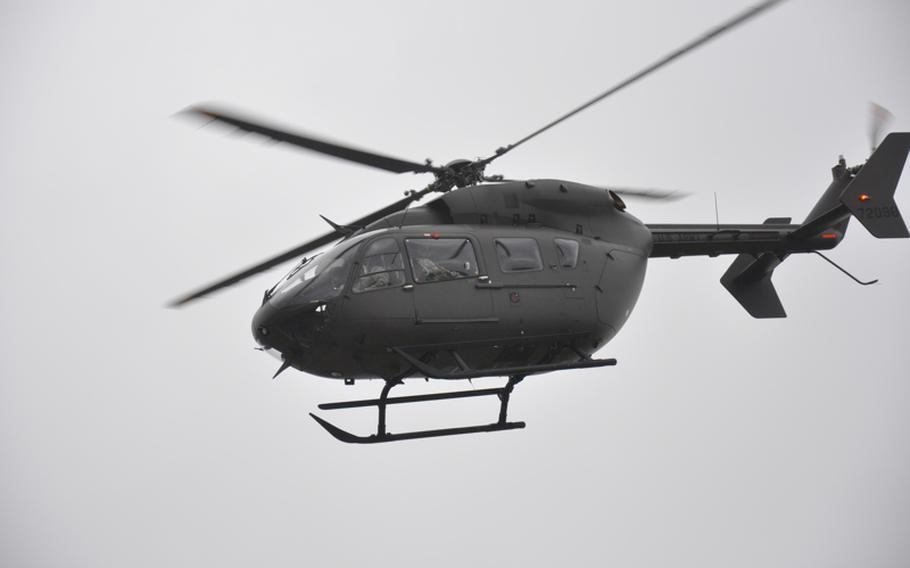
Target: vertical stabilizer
[870, 196]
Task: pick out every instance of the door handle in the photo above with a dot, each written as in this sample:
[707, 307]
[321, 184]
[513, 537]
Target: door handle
[407, 287]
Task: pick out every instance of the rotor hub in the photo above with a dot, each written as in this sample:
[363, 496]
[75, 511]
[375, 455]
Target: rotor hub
[460, 173]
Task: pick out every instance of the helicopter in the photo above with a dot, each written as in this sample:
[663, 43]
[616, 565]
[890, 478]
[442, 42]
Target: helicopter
[511, 278]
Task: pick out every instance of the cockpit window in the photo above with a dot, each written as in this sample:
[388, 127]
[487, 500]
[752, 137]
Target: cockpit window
[436, 260]
[322, 276]
[381, 266]
[566, 252]
[518, 254]
[289, 281]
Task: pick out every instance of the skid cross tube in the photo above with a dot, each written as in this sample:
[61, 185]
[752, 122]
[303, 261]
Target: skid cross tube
[504, 395]
[383, 401]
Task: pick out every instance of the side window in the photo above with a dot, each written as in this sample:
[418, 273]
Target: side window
[518, 254]
[566, 252]
[435, 260]
[380, 267]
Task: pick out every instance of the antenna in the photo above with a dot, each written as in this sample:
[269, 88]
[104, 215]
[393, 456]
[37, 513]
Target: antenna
[406, 209]
[716, 214]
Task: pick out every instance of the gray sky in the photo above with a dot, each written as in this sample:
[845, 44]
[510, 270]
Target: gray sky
[132, 435]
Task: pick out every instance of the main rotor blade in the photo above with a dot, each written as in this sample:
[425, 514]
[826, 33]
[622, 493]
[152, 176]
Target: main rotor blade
[711, 34]
[311, 143]
[299, 250]
[649, 193]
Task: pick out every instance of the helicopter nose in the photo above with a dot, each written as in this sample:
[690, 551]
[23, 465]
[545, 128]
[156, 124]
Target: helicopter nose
[266, 327]
[290, 330]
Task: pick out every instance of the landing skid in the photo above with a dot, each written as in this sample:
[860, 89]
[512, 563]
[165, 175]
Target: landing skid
[382, 436]
[345, 436]
[516, 375]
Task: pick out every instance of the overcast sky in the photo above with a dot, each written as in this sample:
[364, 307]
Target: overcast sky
[134, 435]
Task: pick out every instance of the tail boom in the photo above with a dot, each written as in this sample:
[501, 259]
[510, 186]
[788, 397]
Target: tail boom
[865, 192]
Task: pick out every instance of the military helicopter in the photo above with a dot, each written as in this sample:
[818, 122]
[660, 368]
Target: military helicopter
[511, 278]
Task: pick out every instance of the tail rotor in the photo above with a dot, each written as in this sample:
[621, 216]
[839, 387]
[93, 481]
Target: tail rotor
[879, 119]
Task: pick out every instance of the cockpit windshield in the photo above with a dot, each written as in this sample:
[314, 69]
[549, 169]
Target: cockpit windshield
[289, 281]
[322, 276]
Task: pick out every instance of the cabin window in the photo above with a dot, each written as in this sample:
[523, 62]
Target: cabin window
[381, 266]
[566, 252]
[518, 254]
[436, 260]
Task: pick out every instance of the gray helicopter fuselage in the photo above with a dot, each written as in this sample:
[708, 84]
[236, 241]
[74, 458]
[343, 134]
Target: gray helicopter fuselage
[515, 278]
[498, 276]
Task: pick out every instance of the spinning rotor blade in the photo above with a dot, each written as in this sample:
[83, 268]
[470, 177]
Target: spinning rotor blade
[879, 117]
[708, 36]
[633, 192]
[364, 157]
[265, 265]
[299, 250]
[650, 193]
